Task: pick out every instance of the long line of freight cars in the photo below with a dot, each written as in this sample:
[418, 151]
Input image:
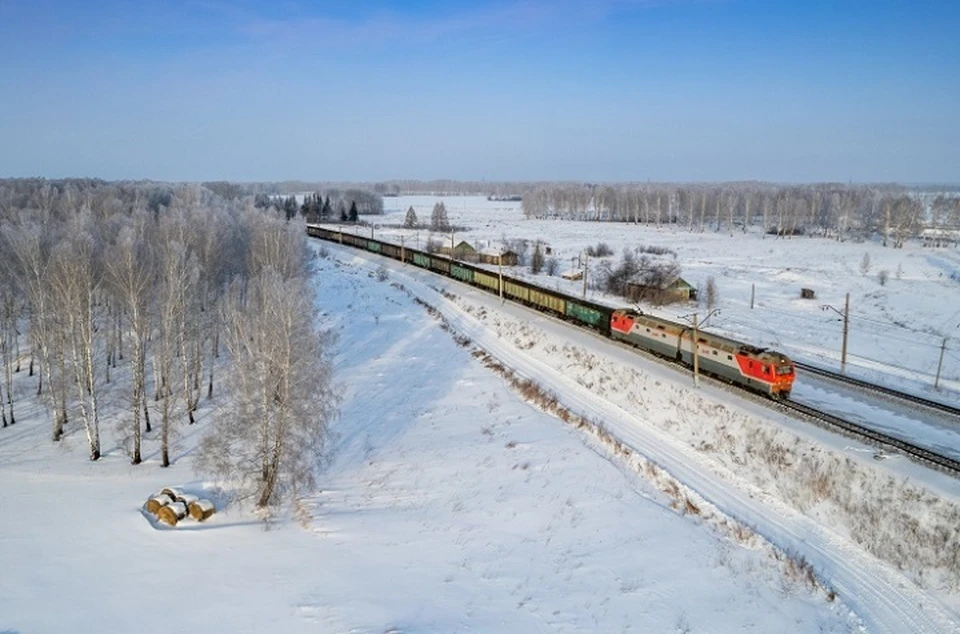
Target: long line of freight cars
[758, 369]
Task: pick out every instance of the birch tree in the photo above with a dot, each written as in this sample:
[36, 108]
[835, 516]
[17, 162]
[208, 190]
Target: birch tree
[76, 282]
[130, 269]
[270, 438]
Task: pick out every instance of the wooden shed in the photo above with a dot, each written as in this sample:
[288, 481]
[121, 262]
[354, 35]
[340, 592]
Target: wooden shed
[808, 293]
[677, 291]
[497, 256]
[462, 251]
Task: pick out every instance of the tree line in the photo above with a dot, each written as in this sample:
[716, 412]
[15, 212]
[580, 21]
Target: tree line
[157, 282]
[829, 210]
[331, 205]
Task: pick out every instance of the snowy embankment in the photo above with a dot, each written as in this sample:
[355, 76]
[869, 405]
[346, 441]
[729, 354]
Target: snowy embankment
[750, 469]
[449, 505]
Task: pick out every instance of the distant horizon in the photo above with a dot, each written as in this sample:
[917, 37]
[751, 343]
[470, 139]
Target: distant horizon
[480, 181]
[507, 90]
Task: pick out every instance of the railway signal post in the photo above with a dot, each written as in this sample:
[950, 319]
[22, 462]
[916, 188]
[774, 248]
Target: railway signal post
[943, 348]
[696, 354]
[846, 330]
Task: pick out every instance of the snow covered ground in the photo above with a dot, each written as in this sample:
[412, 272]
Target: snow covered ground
[449, 504]
[896, 329]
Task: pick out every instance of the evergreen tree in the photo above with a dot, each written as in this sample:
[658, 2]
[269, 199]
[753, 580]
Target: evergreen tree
[290, 207]
[536, 262]
[325, 210]
[410, 222]
[343, 212]
[353, 211]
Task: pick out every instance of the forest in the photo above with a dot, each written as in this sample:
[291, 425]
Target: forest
[153, 292]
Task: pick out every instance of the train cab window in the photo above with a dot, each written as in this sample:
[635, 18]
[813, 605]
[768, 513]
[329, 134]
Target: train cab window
[766, 369]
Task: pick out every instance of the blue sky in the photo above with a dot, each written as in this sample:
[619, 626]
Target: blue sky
[603, 90]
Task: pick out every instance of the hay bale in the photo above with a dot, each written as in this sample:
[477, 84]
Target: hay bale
[172, 513]
[202, 509]
[157, 502]
[175, 493]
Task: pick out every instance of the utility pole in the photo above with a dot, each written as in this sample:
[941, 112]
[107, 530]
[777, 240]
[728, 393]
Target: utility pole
[753, 292]
[943, 348]
[586, 267]
[451, 245]
[696, 354]
[403, 258]
[846, 330]
[500, 269]
[371, 231]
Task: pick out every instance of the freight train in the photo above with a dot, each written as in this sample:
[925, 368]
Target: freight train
[757, 369]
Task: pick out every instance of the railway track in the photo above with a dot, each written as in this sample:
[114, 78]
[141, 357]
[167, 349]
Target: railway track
[876, 438]
[912, 398]
[819, 417]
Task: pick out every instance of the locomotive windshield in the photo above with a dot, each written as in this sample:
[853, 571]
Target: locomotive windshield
[783, 370]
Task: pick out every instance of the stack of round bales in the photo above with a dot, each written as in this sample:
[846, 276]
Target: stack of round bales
[172, 505]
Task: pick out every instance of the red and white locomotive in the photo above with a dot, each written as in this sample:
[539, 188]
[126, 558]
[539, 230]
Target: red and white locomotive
[758, 369]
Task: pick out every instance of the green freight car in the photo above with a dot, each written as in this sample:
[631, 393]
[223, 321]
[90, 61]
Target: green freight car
[594, 316]
[461, 273]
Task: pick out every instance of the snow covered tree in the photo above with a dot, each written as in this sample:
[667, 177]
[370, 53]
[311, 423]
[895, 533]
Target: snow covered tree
[410, 222]
[438, 218]
[130, 273]
[712, 294]
[536, 260]
[270, 438]
[354, 215]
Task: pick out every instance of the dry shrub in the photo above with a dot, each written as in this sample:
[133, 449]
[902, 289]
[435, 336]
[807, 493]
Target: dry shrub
[689, 508]
[172, 513]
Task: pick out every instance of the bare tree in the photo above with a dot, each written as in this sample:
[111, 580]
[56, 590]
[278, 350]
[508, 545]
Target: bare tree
[536, 260]
[76, 281]
[31, 238]
[177, 272]
[271, 437]
[438, 218]
[712, 295]
[130, 271]
[10, 307]
[551, 265]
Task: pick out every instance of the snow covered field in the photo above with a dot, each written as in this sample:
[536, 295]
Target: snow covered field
[896, 329]
[449, 505]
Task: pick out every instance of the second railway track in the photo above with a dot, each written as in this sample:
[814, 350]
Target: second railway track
[873, 387]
